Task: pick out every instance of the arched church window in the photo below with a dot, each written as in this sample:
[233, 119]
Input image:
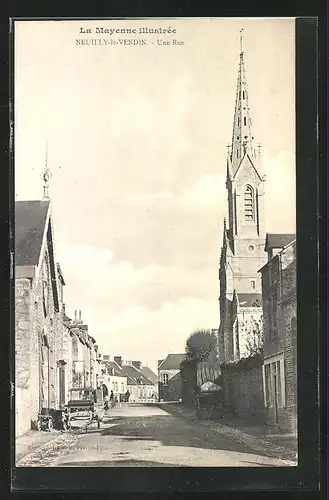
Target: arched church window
[243, 95]
[249, 204]
[244, 120]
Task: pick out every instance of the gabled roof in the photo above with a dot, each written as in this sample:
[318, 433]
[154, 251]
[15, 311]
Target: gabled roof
[148, 373]
[134, 376]
[30, 225]
[117, 370]
[278, 240]
[172, 362]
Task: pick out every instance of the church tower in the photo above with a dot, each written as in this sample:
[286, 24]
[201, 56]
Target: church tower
[242, 253]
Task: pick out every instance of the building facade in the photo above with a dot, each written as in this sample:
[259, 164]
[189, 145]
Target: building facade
[39, 329]
[280, 332]
[242, 252]
[113, 377]
[170, 378]
[140, 387]
[52, 352]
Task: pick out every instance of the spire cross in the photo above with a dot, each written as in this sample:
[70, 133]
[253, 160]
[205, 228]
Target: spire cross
[241, 40]
[46, 176]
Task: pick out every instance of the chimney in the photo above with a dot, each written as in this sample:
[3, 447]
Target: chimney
[137, 364]
[63, 308]
[118, 359]
[106, 357]
[80, 320]
[159, 362]
[75, 316]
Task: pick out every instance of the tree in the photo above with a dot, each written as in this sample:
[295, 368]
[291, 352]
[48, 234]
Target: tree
[254, 337]
[201, 346]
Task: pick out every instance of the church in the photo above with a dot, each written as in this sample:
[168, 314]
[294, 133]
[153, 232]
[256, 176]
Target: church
[242, 252]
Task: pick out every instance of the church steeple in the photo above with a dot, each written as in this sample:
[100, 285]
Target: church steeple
[242, 138]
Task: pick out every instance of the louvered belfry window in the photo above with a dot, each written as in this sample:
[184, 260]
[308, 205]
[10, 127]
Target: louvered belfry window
[249, 204]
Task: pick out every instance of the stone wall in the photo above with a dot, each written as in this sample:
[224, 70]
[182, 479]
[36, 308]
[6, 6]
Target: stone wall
[243, 388]
[189, 383]
[23, 386]
[287, 319]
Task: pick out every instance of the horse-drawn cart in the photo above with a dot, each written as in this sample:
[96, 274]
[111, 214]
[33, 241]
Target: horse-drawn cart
[85, 407]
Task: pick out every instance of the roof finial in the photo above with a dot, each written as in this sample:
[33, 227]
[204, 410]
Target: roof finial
[46, 176]
[241, 41]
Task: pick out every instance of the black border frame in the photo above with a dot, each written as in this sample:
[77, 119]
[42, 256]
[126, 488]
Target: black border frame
[305, 477]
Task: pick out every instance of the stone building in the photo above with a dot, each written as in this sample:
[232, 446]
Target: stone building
[169, 377]
[49, 346]
[84, 354]
[39, 329]
[242, 252]
[280, 331]
[141, 388]
[112, 376]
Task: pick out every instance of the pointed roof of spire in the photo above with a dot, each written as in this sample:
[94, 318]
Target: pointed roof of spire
[242, 138]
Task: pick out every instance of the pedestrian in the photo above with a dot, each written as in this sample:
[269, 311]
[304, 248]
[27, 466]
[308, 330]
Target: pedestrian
[127, 396]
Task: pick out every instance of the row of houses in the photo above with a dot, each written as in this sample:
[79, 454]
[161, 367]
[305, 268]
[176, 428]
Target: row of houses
[262, 385]
[53, 352]
[119, 377]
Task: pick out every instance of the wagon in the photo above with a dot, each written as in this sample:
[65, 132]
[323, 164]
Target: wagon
[50, 418]
[210, 402]
[85, 406]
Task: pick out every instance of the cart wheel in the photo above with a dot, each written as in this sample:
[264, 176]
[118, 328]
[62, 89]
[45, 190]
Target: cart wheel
[39, 425]
[50, 424]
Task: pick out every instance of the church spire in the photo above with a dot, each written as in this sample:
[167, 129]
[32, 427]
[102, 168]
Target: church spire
[46, 176]
[242, 138]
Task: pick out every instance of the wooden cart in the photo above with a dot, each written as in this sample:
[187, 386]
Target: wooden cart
[85, 407]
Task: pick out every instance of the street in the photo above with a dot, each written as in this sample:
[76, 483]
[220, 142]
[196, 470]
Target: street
[147, 436]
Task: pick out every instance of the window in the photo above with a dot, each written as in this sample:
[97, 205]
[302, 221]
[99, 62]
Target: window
[165, 378]
[238, 121]
[249, 204]
[243, 94]
[245, 120]
[253, 284]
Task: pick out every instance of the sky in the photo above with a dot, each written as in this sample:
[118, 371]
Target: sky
[136, 139]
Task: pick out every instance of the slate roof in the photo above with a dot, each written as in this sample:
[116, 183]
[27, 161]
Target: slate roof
[117, 370]
[277, 240]
[249, 299]
[172, 362]
[147, 372]
[30, 220]
[134, 376]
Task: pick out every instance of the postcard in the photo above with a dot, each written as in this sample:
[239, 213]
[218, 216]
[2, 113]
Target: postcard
[155, 243]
